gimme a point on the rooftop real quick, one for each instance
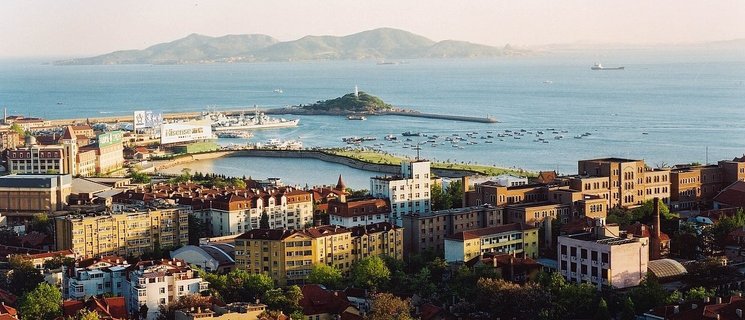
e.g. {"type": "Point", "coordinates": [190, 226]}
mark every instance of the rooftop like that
{"type": "Point", "coordinates": [478, 233]}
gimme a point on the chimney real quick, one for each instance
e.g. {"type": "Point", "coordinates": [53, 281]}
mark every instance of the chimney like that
{"type": "Point", "coordinates": [719, 300]}
{"type": "Point", "coordinates": [655, 241]}
{"type": "Point", "coordinates": [676, 309]}
{"type": "Point", "coordinates": [707, 299]}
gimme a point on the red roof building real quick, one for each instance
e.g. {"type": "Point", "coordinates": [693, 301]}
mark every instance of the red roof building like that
{"type": "Point", "coordinates": [733, 196]}
{"type": "Point", "coordinates": [107, 308]}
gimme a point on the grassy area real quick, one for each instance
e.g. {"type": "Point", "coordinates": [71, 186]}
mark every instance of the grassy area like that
{"type": "Point", "coordinates": [385, 158]}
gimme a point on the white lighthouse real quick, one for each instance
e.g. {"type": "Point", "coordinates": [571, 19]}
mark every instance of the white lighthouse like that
{"type": "Point", "coordinates": [356, 91]}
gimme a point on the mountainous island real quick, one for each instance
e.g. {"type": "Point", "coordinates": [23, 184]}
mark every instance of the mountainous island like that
{"type": "Point", "coordinates": [378, 44]}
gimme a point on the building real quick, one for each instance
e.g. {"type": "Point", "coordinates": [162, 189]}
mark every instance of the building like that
{"type": "Point", "coordinates": [427, 232]}
{"type": "Point", "coordinates": [9, 139]}
{"type": "Point", "coordinates": [95, 277]}
{"type": "Point", "coordinates": [228, 210]}
{"type": "Point", "coordinates": [711, 308]}
{"type": "Point", "coordinates": [358, 212]}
{"type": "Point", "coordinates": [321, 303]}
{"type": "Point", "coordinates": [733, 196]}
{"type": "Point", "coordinates": [38, 259]}
{"type": "Point", "coordinates": [536, 213]}
{"type": "Point", "coordinates": [603, 257]}
{"type": "Point", "coordinates": [288, 255]}
{"type": "Point", "coordinates": [8, 312]}
{"type": "Point", "coordinates": [231, 311]}
{"type": "Point", "coordinates": [34, 192]}
{"type": "Point", "coordinates": [132, 231]}
{"type": "Point", "coordinates": [408, 193]}
{"type": "Point", "coordinates": [514, 239]}
{"type": "Point", "coordinates": [39, 159]}
{"type": "Point", "coordinates": [112, 308]}
{"type": "Point", "coordinates": [109, 151]}
{"type": "Point", "coordinates": [156, 283]}
{"type": "Point", "coordinates": [627, 182]}
{"type": "Point", "coordinates": [213, 257]}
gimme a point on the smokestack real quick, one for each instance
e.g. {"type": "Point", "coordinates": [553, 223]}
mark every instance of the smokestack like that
{"type": "Point", "coordinates": [655, 247]}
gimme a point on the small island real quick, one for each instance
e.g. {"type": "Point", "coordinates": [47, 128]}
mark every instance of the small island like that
{"type": "Point", "coordinates": [359, 102]}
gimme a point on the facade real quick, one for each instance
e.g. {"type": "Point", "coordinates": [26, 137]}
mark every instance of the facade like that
{"type": "Point", "coordinates": [427, 232]}
{"type": "Point", "coordinates": [603, 257]}
{"type": "Point", "coordinates": [693, 186]}
{"type": "Point", "coordinates": [626, 180]}
{"type": "Point", "coordinates": [357, 212]}
{"type": "Point", "coordinates": [38, 159]}
{"type": "Point", "coordinates": [534, 214]}
{"type": "Point", "coordinates": [9, 139]}
{"type": "Point", "coordinates": [288, 255]}
{"type": "Point", "coordinates": [34, 193]}
{"type": "Point", "coordinates": [408, 193]}
{"type": "Point", "coordinates": [95, 277]}
{"type": "Point", "coordinates": [158, 282]}
{"type": "Point", "coordinates": [131, 231]}
{"type": "Point", "coordinates": [514, 239]}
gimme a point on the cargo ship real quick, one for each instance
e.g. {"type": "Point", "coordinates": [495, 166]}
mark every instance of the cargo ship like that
{"type": "Point", "coordinates": [599, 66]}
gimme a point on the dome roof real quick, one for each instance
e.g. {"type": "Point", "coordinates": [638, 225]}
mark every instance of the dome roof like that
{"type": "Point", "coordinates": [666, 268]}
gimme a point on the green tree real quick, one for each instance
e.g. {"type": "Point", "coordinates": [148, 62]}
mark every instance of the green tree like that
{"type": "Point", "coordinates": [628, 312]}
{"type": "Point", "coordinates": [139, 177]}
{"type": "Point", "coordinates": [455, 193]}
{"type": "Point", "coordinates": [386, 306]}
{"type": "Point", "coordinates": [59, 261]}
{"type": "Point", "coordinates": [440, 199]}
{"type": "Point", "coordinates": [184, 302]}
{"type": "Point", "coordinates": [87, 315]}
{"type": "Point", "coordinates": [648, 294]}
{"type": "Point", "coordinates": [288, 301]}
{"type": "Point", "coordinates": [698, 294]}
{"type": "Point", "coordinates": [602, 311]}
{"type": "Point", "coordinates": [264, 221]}
{"type": "Point", "coordinates": [42, 303]}
{"type": "Point", "coordinates": [41, 223]}
{"type": "Point", "coordinates": [509, 300]}
{"type": "Point", "coordinates": [23, 276]}
{"type": "Point", "coordinates": [17, 128]}
{"type": "Point", "coordinates": [241, 285]}
{"type": "Point", "coordinates": [326, 275]}
{"type": "Point", "coordinates": [197, 230]}
{"type": "Point", "coordinates": [370, 273]}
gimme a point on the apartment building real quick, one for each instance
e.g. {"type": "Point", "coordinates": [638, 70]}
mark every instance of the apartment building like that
{"type": "Point", "coordinates": [156, 283]}
{"type": "Point", "coordinates": [9, 139]}
{"type": "Point", "coordinates": [358, 212]}
{"type": "Point", "coordinates": [494, 193]}
{"type": "Point", "coordinates": [288, 255]}
{"type": "Point", "coordinates": [624, 179]}
{"type": "Point", "coordinates": [34, 193]}
{"type": "Point", "coordinates": [408, 193]}
{"type": "Point", "coordinates": [39, 159]}
{"type": "Point", "coordinates": [515, 239]}
{"type": "Point", "coordinates": [534, 214]}
{"type": "Point", "coordinates": [131, 231]}
{"type": "Point", "coordinates": [95, 277]}
{"type": "Point", "coordinates": [603, 257]}
{"type": "Point", "coordinates": [427, 232]}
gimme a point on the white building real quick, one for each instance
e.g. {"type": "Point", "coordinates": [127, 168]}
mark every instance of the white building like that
{"type": "Point", "coordinates": [158, 282]}
{"type": "Point", "coordinates": [94, 277]}
{"type": "Point", "coordinates": [603, 257]}
{"type": "Point", "coordinates": [358, 212]}
{"type": "Point", "coordinates": [211, 257]}
{"type": "Point", "coordinates": [407, 193]}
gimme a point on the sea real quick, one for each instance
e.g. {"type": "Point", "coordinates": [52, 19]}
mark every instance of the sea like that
{"type": "Point", "coordinates": [666, 107]}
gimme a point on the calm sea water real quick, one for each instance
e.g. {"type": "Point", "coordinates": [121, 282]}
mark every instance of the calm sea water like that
{"type": "Point", "coordinates": [684, 102]}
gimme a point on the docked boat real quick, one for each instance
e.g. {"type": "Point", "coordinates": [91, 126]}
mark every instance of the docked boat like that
{"type": "Point", "coordinates": [599, 66]}
{"type": "Point", "coordinates": [356, 117]}
{"type": "Point", "coordinates": [222, 122]}
{"type": "Point", "coordinates": [234, 134]}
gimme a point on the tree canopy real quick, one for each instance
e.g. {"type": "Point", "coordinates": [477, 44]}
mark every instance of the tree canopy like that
{"type": "Point", "coordinates": [42, 303]}
{"type": "Point", "coordinates": [326, 275]}
{"type": "Point", "coordinates": [370, 273]}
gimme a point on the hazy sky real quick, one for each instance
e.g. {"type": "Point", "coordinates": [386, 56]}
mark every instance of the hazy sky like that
{"type": "Point", "coordinates": [70, 27]}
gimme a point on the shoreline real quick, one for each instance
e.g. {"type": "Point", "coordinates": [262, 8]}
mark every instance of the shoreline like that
{"type": "Point", "coordinates": [326, 156]}
{"type": "Point", "coordinates": [276, 111]}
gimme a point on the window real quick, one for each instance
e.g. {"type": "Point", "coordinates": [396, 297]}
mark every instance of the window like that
{"type": "Point", "coordinates": [604, 257]}
{"type": "Point", "coordinates": [162, 290]}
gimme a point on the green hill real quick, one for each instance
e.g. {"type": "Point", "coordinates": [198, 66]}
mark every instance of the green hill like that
{"type": "Point", "coordinates": [351, 103]}
{"type": "Point", "coordinates": [377, 44]}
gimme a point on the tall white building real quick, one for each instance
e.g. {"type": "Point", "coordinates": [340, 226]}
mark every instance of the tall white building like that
{"type": "Point", "coordinates": [408, 192]}
{"type": "Point", "coordinates": [156, 283]}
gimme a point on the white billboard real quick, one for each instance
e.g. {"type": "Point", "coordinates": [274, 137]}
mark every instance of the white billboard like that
{"type": "Point", "coordinates": [185, 131]}
{"type": "Point", "coordinates": [147, 119]}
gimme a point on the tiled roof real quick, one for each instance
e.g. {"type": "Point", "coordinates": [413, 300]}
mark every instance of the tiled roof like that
{"type": "Point", "coordinates": [361, 207]}
{"type": "Point", "coordinates": [4, 309]}
{"type": "Point", "coordinates": [641, 230]}
{"type": "Point", "coordinates": [107, 308]}
{"type": "Point", "coordinates": [373, 228]}
{"type": "Point", "coordinates": [317, 300]}
{"type": "Point", "coordinates": [733, 195]}
{"type": "Point", "coordinates": [62, 253]}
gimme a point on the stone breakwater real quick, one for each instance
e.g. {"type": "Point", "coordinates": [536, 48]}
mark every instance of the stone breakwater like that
{"type": "Point", "coordinates": [388, 169]}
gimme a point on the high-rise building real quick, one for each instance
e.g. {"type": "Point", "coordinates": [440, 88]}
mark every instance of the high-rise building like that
{"type": "Point", "coordinates": [408, 192]}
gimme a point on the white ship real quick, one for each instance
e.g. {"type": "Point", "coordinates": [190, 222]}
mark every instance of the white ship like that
{"type": "Point", "coordinates": [221, 122]}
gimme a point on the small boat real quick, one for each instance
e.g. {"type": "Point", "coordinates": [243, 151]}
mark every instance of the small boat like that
{"type": "Point", "coordinates": [277, 91]}
{"type": "Point", "coordinates": [489, 141]}
{"type": "Point", "coordinates": [411, 134]}
{"type": "Point", "coordinates": [645, 132]}
{"type": "Point", "coordinates": [548, 81]}
{"type": "Point", "coordinates": [578, 137]}
{"type": "Point", "coordinates": [356, 117]}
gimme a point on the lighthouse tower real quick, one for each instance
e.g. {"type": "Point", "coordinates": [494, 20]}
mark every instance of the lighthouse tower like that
{"type": "Point", "coordinates": [356, 91]}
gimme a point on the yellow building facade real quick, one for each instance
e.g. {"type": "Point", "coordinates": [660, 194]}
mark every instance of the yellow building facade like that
{"type": "Point", "coordinates": [287, 256]}
{"type": "Point", "coordinates": [123, 233]}
{"type": "Point", "coordinates": [514, 239]}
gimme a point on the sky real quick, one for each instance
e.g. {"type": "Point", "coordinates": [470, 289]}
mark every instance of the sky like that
{"type": "Point", "coordinates": [87, 27]}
